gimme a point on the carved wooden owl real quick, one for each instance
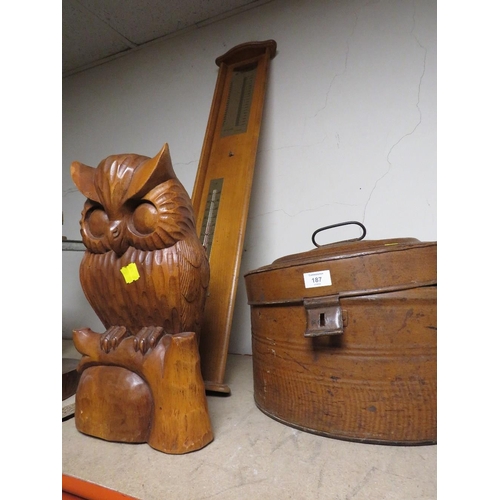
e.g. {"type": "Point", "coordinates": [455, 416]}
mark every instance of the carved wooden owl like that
{"type": "Point", "coordinates": [144, 265]}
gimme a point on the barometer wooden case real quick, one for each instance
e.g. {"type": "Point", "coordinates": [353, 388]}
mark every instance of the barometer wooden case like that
{"type": "Point", "coordinates": [221, 193]}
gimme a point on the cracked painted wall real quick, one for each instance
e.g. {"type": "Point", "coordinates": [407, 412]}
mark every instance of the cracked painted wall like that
{"type": "Point", "coordinates": [349, 128]}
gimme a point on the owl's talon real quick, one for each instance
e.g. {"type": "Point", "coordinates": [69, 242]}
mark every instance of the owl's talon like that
{"type": "Point", "coordinates": [112, 337]}
{"type": "Point", "coordinates": [104, 344]}
{"type": "Point", "coordinates": [156, 334]}
{"type": "Point", "coordinates": [148, 338]}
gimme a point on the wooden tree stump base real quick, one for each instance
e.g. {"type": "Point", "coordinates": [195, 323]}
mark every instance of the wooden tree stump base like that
{"type": "Point", "coordinates": [157, 396]}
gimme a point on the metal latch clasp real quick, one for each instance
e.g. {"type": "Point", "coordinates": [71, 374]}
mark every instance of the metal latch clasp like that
{"type": "Point", "coordinates": [324, 316]}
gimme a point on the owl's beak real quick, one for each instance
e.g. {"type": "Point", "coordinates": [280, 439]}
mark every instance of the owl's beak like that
{"type": "Point", "coordinates": [116, 238]}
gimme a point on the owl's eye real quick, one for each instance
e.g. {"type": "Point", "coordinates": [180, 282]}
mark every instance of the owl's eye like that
{"type": "Point", "coordinates": [97, 223]}
{"type": "Point", "coordinates": [145, 218]}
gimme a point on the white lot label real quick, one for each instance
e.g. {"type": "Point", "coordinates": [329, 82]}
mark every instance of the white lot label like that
{"type": "Point", "coordinates": [319, 278]}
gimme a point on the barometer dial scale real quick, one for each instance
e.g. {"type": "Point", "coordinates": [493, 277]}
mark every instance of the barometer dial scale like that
{"type": "Point", "coordinates": [221, 192]}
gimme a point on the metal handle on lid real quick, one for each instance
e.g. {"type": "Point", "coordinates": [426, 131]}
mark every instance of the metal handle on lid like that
{"type": "Point", "coordinates": [338, 225]}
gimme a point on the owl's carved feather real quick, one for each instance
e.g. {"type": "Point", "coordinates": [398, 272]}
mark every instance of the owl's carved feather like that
{"type": "Point", "coordinates": [170, 291]}
{"type": "Point", "coordinates": [151, 173]}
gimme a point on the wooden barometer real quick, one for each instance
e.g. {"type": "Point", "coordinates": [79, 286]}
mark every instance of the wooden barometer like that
{"type": "Point", "coordinates": [221, 192]}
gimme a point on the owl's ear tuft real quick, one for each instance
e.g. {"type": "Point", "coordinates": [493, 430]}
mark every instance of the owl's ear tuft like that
{"type": "Point", "coordinates": [83, 177]}
{"type": "Point", "coordinates": [151, 173]}
{"type": "Point", "coordinates": [165, 162]}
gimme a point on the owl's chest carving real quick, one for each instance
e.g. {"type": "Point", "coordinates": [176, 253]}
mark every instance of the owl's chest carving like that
{"type": "Point", "coordinates": [139, 288]}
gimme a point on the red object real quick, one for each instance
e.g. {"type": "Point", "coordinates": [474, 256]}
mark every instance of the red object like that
{"type": "Point", "coordinates": [78, 489]}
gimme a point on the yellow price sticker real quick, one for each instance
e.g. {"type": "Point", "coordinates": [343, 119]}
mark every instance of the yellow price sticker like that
{"type": "Point", "coordinates": [130, 273]}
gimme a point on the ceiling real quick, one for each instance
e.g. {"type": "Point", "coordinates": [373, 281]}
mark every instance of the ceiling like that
{"type": "Point", "coordinates": [95, 31]}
